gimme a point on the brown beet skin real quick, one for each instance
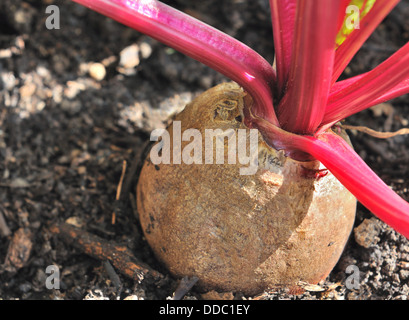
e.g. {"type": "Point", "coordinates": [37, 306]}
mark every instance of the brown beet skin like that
{"type": "Point", "coordinates": [242, 233]}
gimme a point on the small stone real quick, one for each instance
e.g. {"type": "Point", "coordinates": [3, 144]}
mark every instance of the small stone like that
{"type": "Point", "coordinates": [82, 170]}
{"type": "Point", "coordinates": [133, 297]}
{"type": "Point", "coordinates": [129, 57]}
{"type": "Point", "coordinates": [73, 88]}
{"type": "Point", "coordinates": [404, 274]}
{"type": "Point", "coordinates": [19, 183]}
{"type": "Point", "coordinates": [404, 248]}
{"type": "Point", "coordinates": [75, 221]}
{"type": "Point", "coordinates": [97, 294]}
{"type": "Point", "coordinates": [367, 233]}
{"type": "Point", "coordinates": [7, 79]}
{"type": "Point", "coordinates": [146, 50]}
{"type": "Point", "coordinates": [97, 71]}
{"type": "Point", "coordinates": [6, 53]}
{"type": "Point", "coordinates": [19, 250]}
{"type": "Point", "coordinates": [25, 287]}
{"type": "Point", "coordinates": [27, 90]}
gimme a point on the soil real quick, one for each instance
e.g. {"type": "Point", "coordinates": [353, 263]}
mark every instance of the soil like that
{"type": "Point", "coordinates": [74, 107]}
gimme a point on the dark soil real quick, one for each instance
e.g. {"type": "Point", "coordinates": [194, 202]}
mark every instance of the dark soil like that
{"type": "Point", "coordinates": [64, 136]}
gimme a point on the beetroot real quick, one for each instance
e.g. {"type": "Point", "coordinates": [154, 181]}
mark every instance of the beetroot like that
{"type": "Point", "coordinates": [236, 232]}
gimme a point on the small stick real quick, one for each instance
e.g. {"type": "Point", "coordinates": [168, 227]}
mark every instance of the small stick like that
{"type": "Point", "coordinates": [121, 180]}
{"type": "Point", "coordinates": [119, 190]}
{"type": "Point", "coordinates": [119, 256]}
{"type": "Point", "coordinates": [133, 168]}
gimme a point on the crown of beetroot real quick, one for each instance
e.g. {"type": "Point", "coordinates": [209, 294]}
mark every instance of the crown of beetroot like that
{"type": "Point", "coordinates": [313, 46]}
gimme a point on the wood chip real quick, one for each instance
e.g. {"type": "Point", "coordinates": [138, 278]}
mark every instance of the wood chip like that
{"type": "Point", "coordinates": [19, 250]}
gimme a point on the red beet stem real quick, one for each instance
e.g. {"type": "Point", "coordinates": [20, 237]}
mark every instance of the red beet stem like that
{"type": "Point", "coordinates": [283, 21]}
{"type": "Point", "coordinates": [386, 80]}
{"type": "Point", "coordinates": [302, 107]}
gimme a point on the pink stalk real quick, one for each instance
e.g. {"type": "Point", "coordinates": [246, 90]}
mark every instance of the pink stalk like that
{"type": "Point", "coordinates": [397, 91]}
{"type": "Point", "coordinates": [337, 87]}
{"type": "Point", "coordinates": [283, 21]}
{"type": "Point", "coordinates": [343, 162]}
{"type": "Point", "coordinates": [400, 89]}
{"type": "Point", "coordinates": [199, 41]}
{"type": "Point", "coordinates": [346, 165]}
{"type": "Point", "coordinates": [369, 88]}
{"type": "Point", "coordinates": [341, 16]}
{"type": "Point", "coordinates": [355, 40]}
{"type": "Point", "coordinates": [302, 107]}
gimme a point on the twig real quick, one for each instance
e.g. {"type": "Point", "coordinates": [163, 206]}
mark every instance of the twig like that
{"type": "Point", "coordinates": [134, 167]}
{"type": "Point", "coordinates": [124, 185]}
{"type": "Point", "coordinates": [120, 256]}
{"type": "Point", "coordinates": [121, 180]}
{"type": "Point", "coordinates": [119, 190]}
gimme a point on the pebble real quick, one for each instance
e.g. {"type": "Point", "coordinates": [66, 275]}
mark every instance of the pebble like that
{"type": "Point", "coordinates": [25, 287]}
{"type": "Point", "coordinates": [367, 233]}
{"type": "Point", "coordinates": [129, 57]}
{"type": "Point", "coordinates": [27, 90]}
{"type": "Point", "coordinates": [133, 297]}
{"type": "Point", "coordinates": [97, 71]}
{"type": "Point", "coordinates": [75, 221]}
{"type": "Point", "coordinates": [146, 50]}
{"type": "Point", "coordinates": [8, 80]}
{"type": "Point", "coordinates": [19, 183]}
{"type": "Point", "coordinates": [6, 53]}
{"type": "Point", "coordinates": [404, 274]}
{"type": "Point", "coordinates": [95, 295]}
